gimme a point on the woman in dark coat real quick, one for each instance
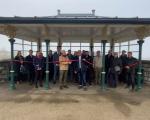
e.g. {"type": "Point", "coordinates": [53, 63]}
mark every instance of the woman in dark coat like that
{"type": "Point", "coordinates": [39, 64]}
{"type": "Point", "coordinates": [51, 65]}
{"type": "Point", "coordinates": [19, 67]}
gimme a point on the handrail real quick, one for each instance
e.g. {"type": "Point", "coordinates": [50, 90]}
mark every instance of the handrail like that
{"type": "Point", "coordinates": [145, 64]}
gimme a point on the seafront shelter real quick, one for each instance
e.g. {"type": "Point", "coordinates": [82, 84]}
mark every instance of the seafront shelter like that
{"type": "Point", "coordinates": [75, 31]}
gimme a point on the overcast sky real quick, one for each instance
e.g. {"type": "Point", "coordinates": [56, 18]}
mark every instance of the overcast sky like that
{"type": "Point", "coordinates": [111, 8]}
{"type": "Point", "coordinates": [125, 8]}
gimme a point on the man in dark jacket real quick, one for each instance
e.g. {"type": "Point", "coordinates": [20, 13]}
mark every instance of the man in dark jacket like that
{"type": "Point", "coordinates": [90, 70]}
{"type": "Point", "coordinates": [70, 67]}
{"type": "Point", "coordinates": [130, 66]}
{"type": "Point", "coordinates": [108, 60]}
{"type": "Point", "coordinates": [56, 64]}
{"type": "Point", "coordinates": [30, 67]}
{"type": "Point", "coordinates": [81, 69]}
{"type": "Point", "coordinates": [51, 65]}
{"type": "Point", "coordinates": [123, 57]}
{"type": "Point", "coordinates": [75, 64]}
{"type": "Point", "coordinates": [114, 70]}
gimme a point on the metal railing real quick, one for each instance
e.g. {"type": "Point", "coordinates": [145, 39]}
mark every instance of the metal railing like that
{"type": "Point", "coordinates": [4, 70]}
{"type": "Point", "coordinates": [146, 66]}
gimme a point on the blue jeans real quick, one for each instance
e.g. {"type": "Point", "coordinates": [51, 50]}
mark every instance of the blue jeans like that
{"type": "Point", "coordinates": [82, 77]}
{"type": "Point", "coordinates": [56, 73]}
{"type": "Point", "coordinates": [70, 73]}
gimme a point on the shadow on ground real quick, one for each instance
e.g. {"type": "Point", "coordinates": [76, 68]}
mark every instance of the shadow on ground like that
{"type": "Point", "coordinates": [121, 99]}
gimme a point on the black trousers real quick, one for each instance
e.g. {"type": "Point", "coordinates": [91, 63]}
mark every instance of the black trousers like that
{"type": "Point", "coordinates": [38, 77]}
{"type": "Point", "coordinates": [51, 72]}
{"type": "Point", "coordinates": [131, 79]}
{"type": "Point", "coordinates": [89, 76]}
{"type": "Point", "coordinates": [31, 75]}
{"type": "Point", "coordinates": [122, 76]}
{"type": "Point", "coordinates": [113, 79]}
{"type": "Point", "coordinates": [82, 77]}
{"type": "Point", "coordinates": [19, 77]}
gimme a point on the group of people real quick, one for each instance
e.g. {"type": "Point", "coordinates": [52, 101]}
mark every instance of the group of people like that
{"type": "Point", "coordinates": [80, 67]}
{"type": "Point", "coordinates": [120, 69]}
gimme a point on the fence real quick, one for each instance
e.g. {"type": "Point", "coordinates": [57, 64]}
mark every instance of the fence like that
{"type": "Point", "coordinates": [4, 70]}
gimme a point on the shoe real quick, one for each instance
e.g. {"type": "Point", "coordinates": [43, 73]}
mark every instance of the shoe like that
{"type": "Point", "coordinates": [126, 87]}
{"type": "Point", "coordinates": [131, 90]}
{"type": "Point", "coordinates": [65, 86]}
{"type": "Point", "coordinates": [18, 82]}
{"type": "Point", "coordinates": [30, 84]}
{"type": "Point", "coordinates": [61, 87]}
{"type": "Point", "coordinates": [80, 86]}
{"type": "Point", "coordinates": [36, 86]}
{"type": "Point", "coordinates": [41, 85]}
{"type": "Point", "coordinates": [54, 82]}
{"type": "Point", "coordinates": [90, 84]}
{"type": "Point", "coordinates": [85, 88]}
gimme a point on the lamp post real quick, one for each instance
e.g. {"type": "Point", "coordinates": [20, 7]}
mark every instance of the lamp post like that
{"type": "Point", "coordinates": [103, 65]}
{"type": "Point", "coordinates": [47, 65]}
{"type": "Point", "coordinates": [139, 77]}
{"type": "Point", "coordinates": [12, 83]}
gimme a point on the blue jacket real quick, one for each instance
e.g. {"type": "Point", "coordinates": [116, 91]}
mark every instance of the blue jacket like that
{"type": "Point", "coordinates": [29, 62]}
{"type": "Point", "coordinates": [55, 57]}
{"type": "Point", "coordinates": [83, 65]}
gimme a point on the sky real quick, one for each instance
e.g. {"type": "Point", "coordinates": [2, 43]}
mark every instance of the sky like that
{"type": "Point", "coordinates": [109, 8]}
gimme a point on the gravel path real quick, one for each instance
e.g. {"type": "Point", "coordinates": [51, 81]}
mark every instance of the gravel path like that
{"type": "Point", "coordinates": [28, 103]}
